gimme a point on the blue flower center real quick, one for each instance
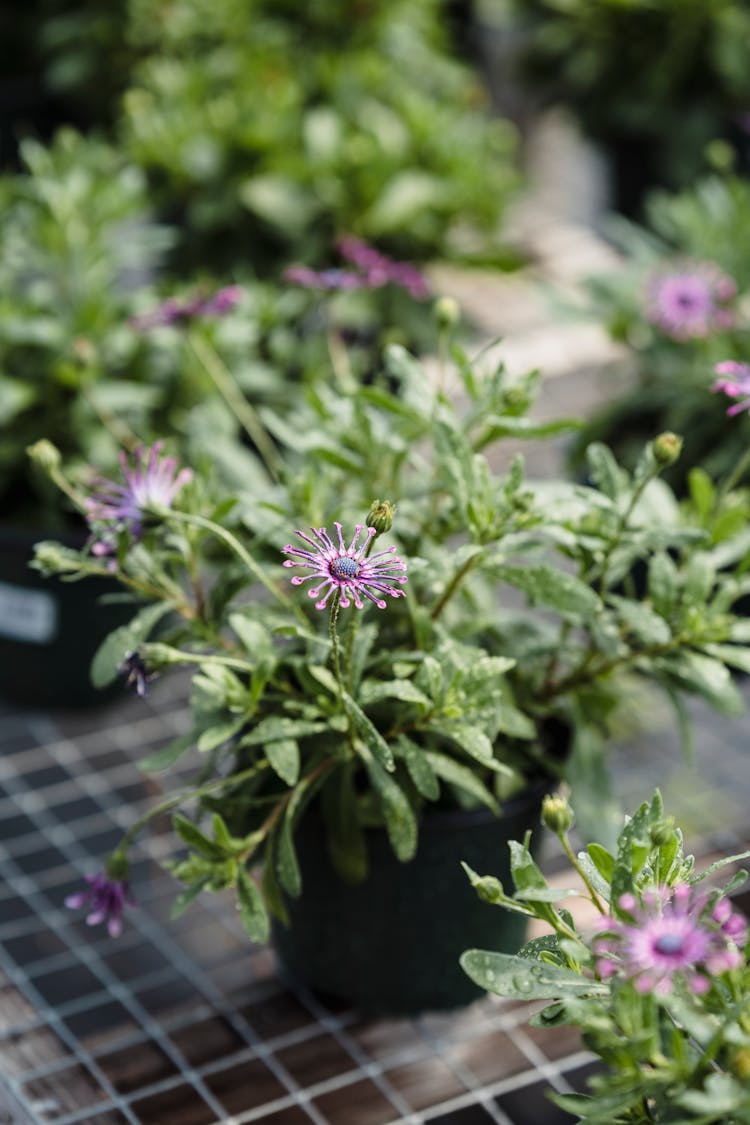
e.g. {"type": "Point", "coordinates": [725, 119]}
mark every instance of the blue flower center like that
{"type": "Point", "coordinates": [345, 567]}
{"type": "Point", "coordinates": [669, 944]}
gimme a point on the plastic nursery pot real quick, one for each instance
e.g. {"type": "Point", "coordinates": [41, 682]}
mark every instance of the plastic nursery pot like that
{"type": "Point", "coordinates": [391, 944]}
{"type": "Point", "coordinates": [50, 630]}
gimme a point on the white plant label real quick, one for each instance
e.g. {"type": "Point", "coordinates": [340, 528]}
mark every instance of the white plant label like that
{"type": "Point", "coordinates": [27, 615]}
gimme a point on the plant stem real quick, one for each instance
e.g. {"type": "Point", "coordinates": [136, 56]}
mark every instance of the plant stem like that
{"type": "Point", "coordinates": [333, 632]}
{"type": "Point", "coordinates": [729, 483]}
{"type": "Point", "coordinates": [573, 858]}
{"type": "Point", "coordinates": [243, 411]}
{"type": "Point", "coordinates": [242, 553]}
{"type": "Point", "coordinates": [452, 586]}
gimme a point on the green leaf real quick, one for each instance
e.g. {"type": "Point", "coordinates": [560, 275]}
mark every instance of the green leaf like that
{"type": "Point", "coordinates": [256, 639]}
{"type": "Point", "coordinates": [220, 732]}
{"type": "Point", "coordinates": [168, 755]}
{"type": "Point", "coordinates": [448, 769]}
{"type": "Point", "coordinates": [642, 621]}
{"type": "Point", "coordinates": [505, 974]}
{"type": "Point", "coordinates": [509, 720]}
{"type": "Point", "coordinates": [287, 866]}
{"type": "Point", "coordinates": [400, 821]}
{"type": "Point", "coordinates": [185, 898]}
{"type": "Point", "coordinates": [113, 650]}
{"type": "Point", "coordinates": [602, 860]}
{"type": "Point", "coordinates": [279, 727]}
{"type": "Point", "coordinates": [709, 677]}
{"type": "Point", "coordinates": [605, 472]}
{"type": "Point", "coordinates": [195, 839]}
{"type": "Point", "coordinates": [733, 655]}
{"type": "Point", "coordinates": [662, 583]}
{"type": "Point", "coordinates": [283, 757]}
{"type": "Point", "coordinates": [252, 908]}
{"type": "Point", "coordinates": [420, 770]}
{"type": "Point", "coordinates": [556, 589]}
{"type": "Point", "coordinates": [474, 742]}
{"type": "Point", "coordinates": [344, 834]}
{"type": "Point", "coordinates": [373, 691]}
{"type": "Point", "coordinates": [369, 734]}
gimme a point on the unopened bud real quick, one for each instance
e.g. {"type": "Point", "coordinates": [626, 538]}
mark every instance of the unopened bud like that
{"type": "Point", "coordinates": [117, 865]}
{"type": "Point", "coordinates": [447, 313]}
{"type": "Point", "coordinates": [380, 516]}
{"type": "Point", "coordinates": [739, 1063]}
{"type": "Point", "coordinates": [44, 454]}
{"type": "Point", "coordinates": [557, 815]}
{"type": "Point", "coordinates": [662, 831]}
{"type": "Point", "coordinates": [666, 448]}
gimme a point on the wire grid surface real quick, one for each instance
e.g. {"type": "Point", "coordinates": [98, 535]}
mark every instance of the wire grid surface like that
{"type": "Point", "coordinates": [182, 1021]}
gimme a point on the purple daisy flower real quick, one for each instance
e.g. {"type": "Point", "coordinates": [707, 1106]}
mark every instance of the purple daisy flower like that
{"type": "Point", "coordinates": [331, 279]}
{"type": "Point", "coordinates": [105, 898]}
{"type": "Point", "coordinates": [150, 483]}
{"type": "Point", "coordinates": [348, 571]}
{"type": "Point", "coordinates": [737, 386]}
{"type": "Point", "coordinates": [673, 931]}
{"type": "Point", "coordinates": [379, 270]}
{"type": "Point", "coordinates": [177, 310]}
{"type": "Point", "coordinates": [690, 302]}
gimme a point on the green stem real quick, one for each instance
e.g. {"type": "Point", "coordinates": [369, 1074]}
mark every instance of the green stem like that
{"type": "Point", "coordinates": [573, 858]}
{"type": "Point", "coordinates": [245, 413]}
{"type": "Point", "coordinates": [729, 483]}
{"type": "Point", "coordinates": [333, 632]}
{"type": "Point", "coordinates": [452, 586]}
{"type": "Point", "coordinates": [183, 795]}
{"type": "Point", "coordinates": [242, 553]}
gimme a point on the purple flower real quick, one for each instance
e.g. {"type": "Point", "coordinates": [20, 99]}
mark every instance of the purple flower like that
{"type": "Point", "coordinates": [323, 279]}
{"type": "Point", "coordinates": [150, 483]}
{"type": "Point", "coordinates": [672, 932]}
{"type": "Point", "coordinates": [738, 386]}
{"type": "Point", "coordinates": [374, 270]}
{"type": "Point", "coordinates": [136, 674]}
{"type": "Point", "coordinates": [105, 898]}
{"type": "Point", "coordinates": [379, 270]}
{"type": "Point", "coordinates": [176, 310]}
{"type": "Point", "coordinates": [691, 302]}
{"type": "Point", "coordinates": [347, 570]}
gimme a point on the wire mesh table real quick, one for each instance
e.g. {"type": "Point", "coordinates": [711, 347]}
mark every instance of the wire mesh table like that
{"type": "Point", "coordinates": [185, 1022]}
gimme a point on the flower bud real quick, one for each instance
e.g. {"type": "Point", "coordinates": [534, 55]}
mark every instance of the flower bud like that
{"type": "Point", "coordinates": [739, 1063]}
{"type": "Point", "coordinates": [44, 454]}
{"type": "Point", "coordinates": [380, 516]}
{"type": "Point", "coordinates": [666, 448]}
{"type": "Point", "coordinates": [557, 815]}
{"type": "Point", "coordinates": [447, 313]}
{"type": "Point", "coordinates": [662, 831]}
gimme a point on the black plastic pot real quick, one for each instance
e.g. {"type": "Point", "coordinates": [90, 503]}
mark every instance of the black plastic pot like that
{"type": "Point", "coordinates": [391, 945]}
{"type": "Point", "coordinates": [49, 629]}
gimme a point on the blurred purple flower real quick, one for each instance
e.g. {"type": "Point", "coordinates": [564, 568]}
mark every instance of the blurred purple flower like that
{"type": "Point", "coordinates": [136, 675]}
{"type": "Point", "coordinates": [347, 570]}
{"type": "Point", "coordinates": [374, 270]}
{"type": "Point", "coordinates": [737, 386]}
{"type": "Point", "coordinates": [323, 279]}
{"type": "Point", "coordinates": [672, 932]}
{"type": "Point", "coordinates": [152, 482]}
{"type": "Point", "coordinates": [105, 898]}
{"type": "Point", "coordinates": [176, 310]}
{"type": "Point", "coordinates": [692, 301]}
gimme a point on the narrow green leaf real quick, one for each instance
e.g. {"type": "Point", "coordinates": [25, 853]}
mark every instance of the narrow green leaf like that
{"type": "Point", "coordinates": [168, 755]}
{"type": "Point", "coordinates": [195, 839]}
{"type": "Point", "coordinates": [370, 735]}
{"type": "Point", "coordinates": [556, 589]}
{"type": "Point", "coordinates": [252, 908]}
{"type": "Point", "coordinates": [420, 770]}
{"type": "Point", "coordinates": [448, 769]}
{"type": "Point", "coordinates": [400, 821]}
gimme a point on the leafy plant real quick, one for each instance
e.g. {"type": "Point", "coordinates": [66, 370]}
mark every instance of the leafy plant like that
{"type": "Point", "coordinates": [270, 130]}
{"type": "Point", "coordinates": [659, 985]}
{"type": "Point", "coordinates": [500, 661]}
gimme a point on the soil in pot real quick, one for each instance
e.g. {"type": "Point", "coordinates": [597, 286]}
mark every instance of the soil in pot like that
{"type": "Point", "coordinates": [391, 944]}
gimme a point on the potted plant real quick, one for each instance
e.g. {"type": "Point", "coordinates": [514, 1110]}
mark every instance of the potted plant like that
{"type": "Point", "coordinates": [656, 978]}
{"type": "Point", "coordinates": [678, 304]}
{"type": "Point", "coordinates": [377, 714]}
